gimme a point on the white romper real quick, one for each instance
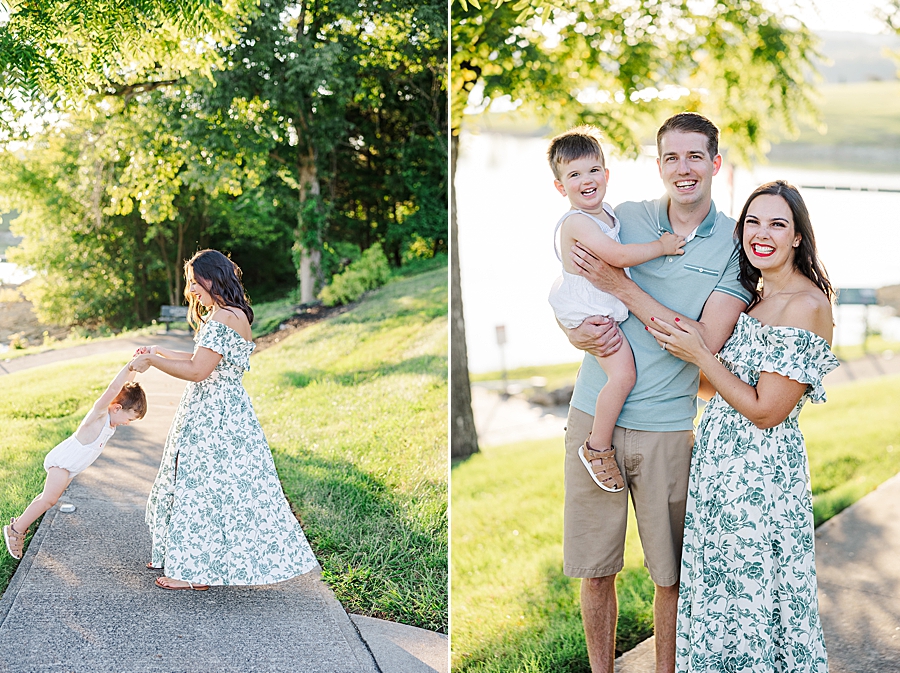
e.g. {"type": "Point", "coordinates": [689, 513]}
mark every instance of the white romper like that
{"type": "Point", "coordinates": [572, 297]}
{"type": "Point", "coordinates": [72, 455]}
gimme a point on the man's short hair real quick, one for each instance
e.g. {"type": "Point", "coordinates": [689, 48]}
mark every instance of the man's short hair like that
{"type": "Point", "coordinates": [691, 122]}
{"type": "Point", "coordinates": [132, 398]}
{"type": "Point", "coordinates": [576, 143]}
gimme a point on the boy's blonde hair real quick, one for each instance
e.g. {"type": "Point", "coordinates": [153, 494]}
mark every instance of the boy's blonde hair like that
{"type": "Point", "coordinates": [132, 398]}
{"type": "Point", "coordinates": [576, 143]}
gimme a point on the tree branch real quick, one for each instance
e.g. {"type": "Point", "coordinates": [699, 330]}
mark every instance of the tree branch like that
{"type": "Point", "coordinates": [131, 90]}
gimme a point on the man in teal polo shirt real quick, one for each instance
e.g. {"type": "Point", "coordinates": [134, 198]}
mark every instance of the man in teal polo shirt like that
{"type": "Point", "coordinates": [654, 434]}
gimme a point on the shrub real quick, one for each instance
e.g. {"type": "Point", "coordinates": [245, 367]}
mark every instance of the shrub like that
{"type": "Point", "coordinates": [367, 273]}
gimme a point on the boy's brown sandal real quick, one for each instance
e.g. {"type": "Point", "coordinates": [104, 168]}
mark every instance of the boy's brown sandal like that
{"type": "Point", "coordinates": [602, 467]}
{"type": "Point", "coordinates": [15, 541]}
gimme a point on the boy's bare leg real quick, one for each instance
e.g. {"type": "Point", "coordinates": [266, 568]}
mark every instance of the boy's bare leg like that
{"type": "Point", "coordinates": [599, 611]}
{"type": "Point", "coordinates": [619, 368]}
{"type": "Point", "coordinates": [57, 481]}
{"type": "Point", "coordinates": [665, 616]}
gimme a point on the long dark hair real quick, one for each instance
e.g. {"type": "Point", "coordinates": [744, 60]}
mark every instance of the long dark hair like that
{"type": "Point", "coordinates": [806, 257]}
{"type": "Point", "coordinates": [219, 276]}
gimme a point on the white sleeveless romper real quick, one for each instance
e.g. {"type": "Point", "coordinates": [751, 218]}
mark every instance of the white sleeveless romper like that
{"type": "Point", "coordinates": [572, 297]}
{"type": "Point", "coordinates": [72, 455]}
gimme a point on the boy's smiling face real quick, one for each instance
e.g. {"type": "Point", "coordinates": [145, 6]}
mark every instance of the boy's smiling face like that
{"type": "Point", "coordinates": [583, 181]}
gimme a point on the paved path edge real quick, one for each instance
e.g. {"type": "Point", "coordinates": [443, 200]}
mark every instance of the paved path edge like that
{"type": "Point", "coordinates": [351, 634]}
{"type": "Point", "coordinates": [18, 578]}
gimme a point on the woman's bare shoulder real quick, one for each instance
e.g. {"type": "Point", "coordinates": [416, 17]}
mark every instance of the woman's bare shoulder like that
{"type": "Point", "coordinates": [809, 310]}
{"type": "Point", "coordinates": [235, 319]}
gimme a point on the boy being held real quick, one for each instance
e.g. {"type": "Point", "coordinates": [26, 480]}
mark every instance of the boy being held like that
{"type": "Point", "coordinates": [578, 165]}
{"type": "Point", "coordinates": [122, 402]}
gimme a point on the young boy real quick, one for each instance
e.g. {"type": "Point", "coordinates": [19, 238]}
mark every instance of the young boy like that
{"type": "Point", "coordinates": [576, 158]}
{"type": "Point", "coordinates": [122, 402]}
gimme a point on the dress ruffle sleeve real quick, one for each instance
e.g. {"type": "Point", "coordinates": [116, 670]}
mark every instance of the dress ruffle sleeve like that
{"type": "Point", "coordinates": [800, 355]}
{"type": "Point", "coordinates": [212, 336]}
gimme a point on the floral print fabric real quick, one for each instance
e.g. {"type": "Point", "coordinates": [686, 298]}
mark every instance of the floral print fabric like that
{"type": "Point", "coordinates": [748, 601]}
{"type": "Point", "coordinates": [216, 512]}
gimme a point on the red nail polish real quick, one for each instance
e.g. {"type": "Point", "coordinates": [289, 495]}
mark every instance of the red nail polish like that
{"type": "Point", "coordinates": [646, 328]}
{"type": "Point", "coordinates": [652, 318]}
{"type": "Point", "coordinates": [677, 320]}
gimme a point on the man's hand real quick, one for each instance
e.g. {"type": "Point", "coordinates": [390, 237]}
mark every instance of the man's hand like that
{"type": "Point", "coordinates": [598, 335]}
{"type": "Point", "coordinates": [600, 274]}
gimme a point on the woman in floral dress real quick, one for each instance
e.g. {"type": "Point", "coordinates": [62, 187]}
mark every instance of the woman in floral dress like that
{"type": "Point", "coordinates": [748, 598]}
{"type": "Point", "coordinates": [217, 513]}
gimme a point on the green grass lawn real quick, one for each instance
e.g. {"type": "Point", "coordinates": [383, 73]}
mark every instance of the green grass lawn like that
{"type": "Point", "coordinates": [512, 608]}
{"type": "Point", "coordinates": [355, 410]}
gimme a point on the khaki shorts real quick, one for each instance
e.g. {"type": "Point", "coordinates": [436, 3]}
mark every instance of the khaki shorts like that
{"type": "Point", "coordinates": [655, 466]}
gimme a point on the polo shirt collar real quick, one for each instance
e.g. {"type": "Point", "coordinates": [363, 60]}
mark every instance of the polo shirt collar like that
{"type": "Point", "coordinates": [706, 226]}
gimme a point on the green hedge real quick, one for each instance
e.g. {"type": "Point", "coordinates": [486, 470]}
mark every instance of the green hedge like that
{"type": "Point", "coordinates": [367, 273]}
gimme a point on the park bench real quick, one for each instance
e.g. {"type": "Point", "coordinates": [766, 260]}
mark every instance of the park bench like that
{"type": "Point", "coordinates": [168, 313]}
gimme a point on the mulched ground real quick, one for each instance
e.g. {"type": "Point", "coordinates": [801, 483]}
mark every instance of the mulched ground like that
{"type": "Point", "coordinates": [18, 317]}
{"type": "Point", "coordinates": [304, 317]}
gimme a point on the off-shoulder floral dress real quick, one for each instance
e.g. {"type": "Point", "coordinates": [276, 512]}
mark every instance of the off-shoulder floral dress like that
{"type": "Point", "coordinates": [748, 600]}
{"type": "Point", "coordinates": [217, 513]}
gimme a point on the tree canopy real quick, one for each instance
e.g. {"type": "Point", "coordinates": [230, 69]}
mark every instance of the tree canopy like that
{"type": "Point", "coordinates": [624, 65]}
{"type": "Point", "coordinates": [293, 136]}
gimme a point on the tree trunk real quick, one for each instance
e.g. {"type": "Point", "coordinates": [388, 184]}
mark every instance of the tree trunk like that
{"type": "Point", "coordinates": [463, 439]}
{"type": "Point", "coordinates": [167, 263]}
{"type": "Point", "coordinates": [308, 270]}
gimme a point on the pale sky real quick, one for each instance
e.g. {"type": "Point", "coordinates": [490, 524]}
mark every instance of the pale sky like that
{"type": "Point", "coordinates": [840, 15]}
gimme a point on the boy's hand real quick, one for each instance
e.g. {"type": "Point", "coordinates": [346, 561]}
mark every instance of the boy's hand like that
{"type": "Point", "coordinates": [672, 244]}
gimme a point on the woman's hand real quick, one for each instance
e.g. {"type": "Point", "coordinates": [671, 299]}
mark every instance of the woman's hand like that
{"type": "Point", "coordinates": [681, 339]}
{"type": "Point", "coordinates": [141, 363]}
{"type": "Point", "coordinates": [144, 350]}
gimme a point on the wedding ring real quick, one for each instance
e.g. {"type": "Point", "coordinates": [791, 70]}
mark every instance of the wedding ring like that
{"type": "Point", "coordinates": [665, 347]}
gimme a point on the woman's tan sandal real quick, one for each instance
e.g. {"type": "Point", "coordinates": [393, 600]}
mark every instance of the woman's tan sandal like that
{"type": "Point", "coordinates": [602, 467]}
{"type": "Point", "coordinates": [15, 541]}
{"type": "Point", "coordinates": [162, 583]}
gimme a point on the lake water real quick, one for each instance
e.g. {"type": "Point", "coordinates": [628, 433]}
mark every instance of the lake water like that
{"type": "Point", "coordinates": [507, 209]}
{"type": "Point", "coordinates": [10, 273]}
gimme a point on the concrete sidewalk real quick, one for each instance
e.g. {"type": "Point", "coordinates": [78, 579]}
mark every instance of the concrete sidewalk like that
{"type": "Point", "coordinates": [857, 551]}
{"type": "Point", "coordinates": [174, 340]}
{"type": "Point", "coordinates": [82, 600]}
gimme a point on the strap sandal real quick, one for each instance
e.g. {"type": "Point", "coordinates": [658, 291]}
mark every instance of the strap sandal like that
{"type": "Point", "coordinates": [602, 467]}
{"type": "Point", "coordinates": [15, 541]}
{"type": "Point", "coordinates": [190, 585]}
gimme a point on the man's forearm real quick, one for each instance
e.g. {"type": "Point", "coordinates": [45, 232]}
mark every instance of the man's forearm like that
{"type": "Point", "coordinates": [715, 325]}
{"type": "Point", "coordinates": [645, 307]}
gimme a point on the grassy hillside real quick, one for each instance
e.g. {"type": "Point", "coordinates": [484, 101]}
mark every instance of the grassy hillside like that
{"type": "Point", "coordinates": [355, 409]}
{"type": "Point", "coordinates": [857, 113]}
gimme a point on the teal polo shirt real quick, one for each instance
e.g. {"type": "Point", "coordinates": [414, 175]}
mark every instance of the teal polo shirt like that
{"type": "Point", "coordinates": [664, 397]}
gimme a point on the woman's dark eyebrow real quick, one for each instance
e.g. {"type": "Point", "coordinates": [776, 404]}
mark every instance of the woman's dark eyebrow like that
{"type": "Point", "coordinates": [774, 219]}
